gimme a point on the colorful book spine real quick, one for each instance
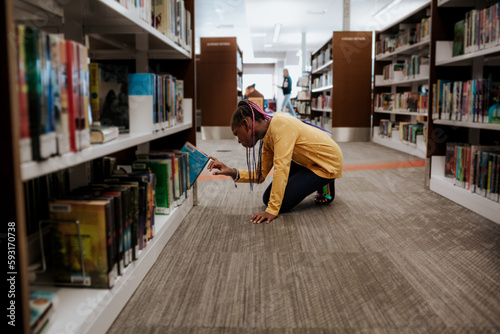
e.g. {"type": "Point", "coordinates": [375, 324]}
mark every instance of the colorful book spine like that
{"type": "Point", "coordinates": [25, 138]}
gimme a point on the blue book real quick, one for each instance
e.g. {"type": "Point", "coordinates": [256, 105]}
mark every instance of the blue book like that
{"type": "Point", "coordinates": [143, 84]}
{"type": "Point", "coordinates": [197, 161]}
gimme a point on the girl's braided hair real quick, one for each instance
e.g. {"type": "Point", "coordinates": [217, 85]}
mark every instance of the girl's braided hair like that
{"type": "Point", "coordinates": [252, 110]}
{"type": "Point", "coordinates": [247, 109]}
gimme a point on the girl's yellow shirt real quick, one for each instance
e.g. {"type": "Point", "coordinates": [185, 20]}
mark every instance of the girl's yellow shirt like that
{"type": "Point", "coordinates": [287, 138]}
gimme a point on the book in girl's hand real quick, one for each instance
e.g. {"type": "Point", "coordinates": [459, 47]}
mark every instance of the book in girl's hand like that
{"type": "Point", "coordinates": [197, 161]}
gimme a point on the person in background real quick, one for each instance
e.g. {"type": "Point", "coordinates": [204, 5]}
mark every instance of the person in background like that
{"type": "Point", "coordinates": [287, 92]}
{"type": "Point", "coordinates": [252, 92]}
{"type": "Point", "coordinates": [305, 159]}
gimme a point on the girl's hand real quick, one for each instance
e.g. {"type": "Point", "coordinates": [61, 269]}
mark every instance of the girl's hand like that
{"type": "Point", "coordinates": [222, 169]}
{"type": "Point", "coordinates": [260, 217]}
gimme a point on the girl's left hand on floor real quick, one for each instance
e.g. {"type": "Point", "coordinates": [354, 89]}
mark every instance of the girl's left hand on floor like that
{"type": "Point", "coordinates": [260, 217]}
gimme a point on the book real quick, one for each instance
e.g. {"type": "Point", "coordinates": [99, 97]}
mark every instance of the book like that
{"type": "Point", "coordinates": [458, 38]}
{"type": "Point", "coordinates": [49, 139]}
{"type": "Point", "coordinates": [142, 102]}
{"type": "Point", "coordinates": [41, 309]}
{"type": "Point", "coordinates": [179, 93]}
{"type": "Point", "coordinates": [197, 161]}
{"type": "Point", "coordinates": [131, 231]}
{"type": "Point", "coordinates": [59, 92]}
{"type": "Point", "coordinates": [84, 118]}
{"type": "Point", "coordinates": [24, 121]}
{"type": "Point", "coordinates": [144, 186]}
{"type": "Point", "coordinates": [103, 134]}
{"type": "Point", "coordinates": [82, 252]}
{"type": "Point", "coordinates": [40, 127]}
{"type": "Point", "coordinates": [162, 17]}
{"type": "Point", "coordinates": [112, 93]}
{"type": "Point", "coordinates": [162, 168]}
{"type": "Point", "coordinates": [72, 73]}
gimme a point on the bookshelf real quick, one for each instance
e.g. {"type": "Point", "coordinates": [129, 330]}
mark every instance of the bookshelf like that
{"type": "Point", "coordinates": [463, 67]}
{"type": "Point", "coordinates": [340, 84]}
{"type": "Point", "coordinates": [302, 102]}
{"type": "Point", "coordinates": [401, 83]}
{"type": "Point", "coordinates": [112, 33]}
{"type": "Point", "coordinates": [221, 58]}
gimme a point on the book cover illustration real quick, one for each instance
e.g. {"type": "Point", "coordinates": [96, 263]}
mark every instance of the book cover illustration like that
{"type": "Point", "coordinates": [197, 161]}
{"type": "Point", "coordinates": [73, 250]}
{"type": "Point", "coordinates": [113, 96]}
{"type": "Point", "coordinates": [163, 187]}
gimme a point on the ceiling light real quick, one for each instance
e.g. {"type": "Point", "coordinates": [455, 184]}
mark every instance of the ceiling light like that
{"type": "Point", "coordinates": [386, 8]}
{"type": "Point", "coordinates": [258, 34]}
{"type": "Point", "coordinates": [225, 26]}
{"type": "Point", "coordinates": [268, 45]}
{"type": "Point", "coordinates": [317, 12]}
{"type": "Point", "coordinates": [276, 35]}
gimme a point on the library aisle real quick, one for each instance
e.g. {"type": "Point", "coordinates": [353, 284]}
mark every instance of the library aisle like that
{"type": "Point", "coordinates": [388, 256]}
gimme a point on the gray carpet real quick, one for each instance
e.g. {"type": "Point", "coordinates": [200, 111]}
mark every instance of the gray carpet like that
{"type": "Point", "coordinates": [388, 256]}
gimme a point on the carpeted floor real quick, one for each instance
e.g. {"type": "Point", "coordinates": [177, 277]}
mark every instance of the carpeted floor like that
{"type": "Point", "coordinates": [387, 256]}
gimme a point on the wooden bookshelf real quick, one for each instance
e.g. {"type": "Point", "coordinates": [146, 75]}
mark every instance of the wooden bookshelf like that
{"type": "Point", "coordinates": [470, 65]}
{"type": "Point", "coordinates": [341, 71]}
{"type": "Point", "coordinates": [393, 49]}
{"type": "Point", "coordinates": [220, 60]}
{"type": "Point", "coordinates": [112, 32]}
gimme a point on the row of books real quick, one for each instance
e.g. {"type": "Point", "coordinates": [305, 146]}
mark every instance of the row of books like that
{"type": "Point", "coordinates": [416, 66]}
{"type": "Point", "coordinates": [408, 34]}
{"type": "Point", "coordinates": [170, 17]}
{"type": "Point", "coordinates": [321, 102]}
{"type": "Point", "coordinates": [302, 107]}
{"type": "Point", "coordinates": [472, 101]}
{"type": "Point", "coordinates": [53, 90]}
{"type": "Point", "coordinates": [89, 235]}
{"type": "Point", "coordinates": [385, 128]}
{"type": "Point", "coordinates": [402, 102]}
{"type": "Point", "coordinates": [407, 131]}
{"type": "Point", "coordinates": [324, 122]}
{"type": "Point", "coordinates": [322, 58]}
{"type": "Point", "coordinates": [474, 168]}
{"type": "Point", "coordinates": [325, 79]}
{"type": "Point", "coordinates": [65, 104]}
{"type": "Point", "coordinates": [480, 29]}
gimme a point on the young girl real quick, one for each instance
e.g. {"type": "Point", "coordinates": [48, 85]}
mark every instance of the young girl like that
{"type": "Point", "coordinates": [305, 159]}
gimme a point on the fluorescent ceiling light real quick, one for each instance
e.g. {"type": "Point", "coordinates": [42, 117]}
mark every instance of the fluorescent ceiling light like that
{"type": "Point", "coordinates": [258, 34]}
{"type": "Point", "coordinates": [276, 35]}
{"type": "Point", "coordinates": [317, 12]}
{"type": "Point", "coordinates": [386, 8]}
{"type": "Point", "coordinates": [268, 45]}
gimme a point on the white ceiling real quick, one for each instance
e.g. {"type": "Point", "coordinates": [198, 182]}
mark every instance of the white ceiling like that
{"type": "Point", "coordinates": [253, 21]}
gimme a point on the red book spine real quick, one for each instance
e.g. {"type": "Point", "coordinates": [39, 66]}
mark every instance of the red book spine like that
{"type": "Point", "coordinates": [73, 92]}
